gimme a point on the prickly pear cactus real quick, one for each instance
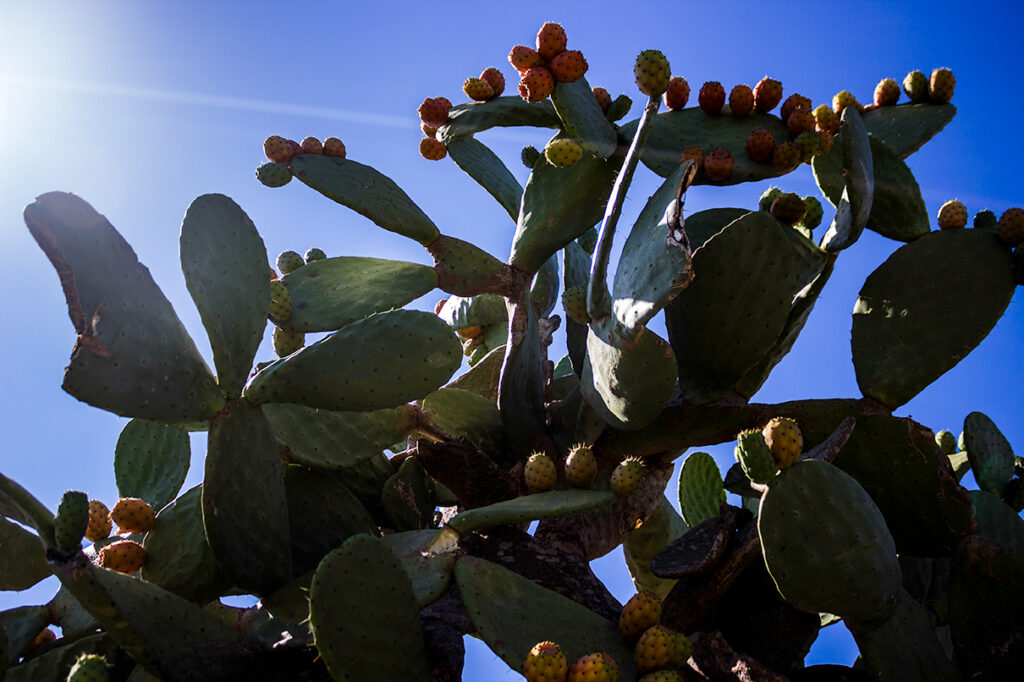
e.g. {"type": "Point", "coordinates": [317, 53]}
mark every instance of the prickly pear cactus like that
{"type": "Point", "coordinates": [372, 492]}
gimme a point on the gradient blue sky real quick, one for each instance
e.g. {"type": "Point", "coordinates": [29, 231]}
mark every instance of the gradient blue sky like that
{"type": "Point", "coordinates": [139, 107]}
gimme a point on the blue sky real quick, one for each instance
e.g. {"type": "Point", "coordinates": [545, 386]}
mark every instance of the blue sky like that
{"type": "Point", "coordinates": [141, 107]}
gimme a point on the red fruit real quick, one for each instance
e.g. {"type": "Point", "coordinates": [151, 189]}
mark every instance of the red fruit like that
{"type": "Point", "coordinates": [568, 66]}
{"type": "Point", "coordinates": [741, 100]}
{"type": "Point", "coordinates": [536, 84]}
{"type": "Point", "coordinates": [887, 92]}
{"type": "Point", "coordinates": [495, 79]}
{"type": "Point", "coordinates": [277, 149]}
{"type": "Point", "coordinates": [718, 164]}
{"type": "Point", "coordinates": [604, 100]}
{"type": "Point", "coordinates": [434, 111]}
{"type": "Point", "coordinates": [767, 94]}
{"type": "Point", "coordinates": [792, 103]}
{"type": "Point", "coordinates": [433, 150]}
{"type": "Point", "coordinates": [678, 93]}
{"type": "Point", "coordinates": [711, 97]}
{"type": "Point", "coordinates": [801, 120]}
{"type": "Point", "coordinates": [311, 145]}
{"type": "Point", "coordinates": [551, 40]}
{"type": "Point", "coordinates": [523, 58]}
{"type": "Point", "coordinates": [295, 147]}
{"type": "Point", "coordinates": [760, 145]}
{"type": "Point", "coordinates": [786, 156]}
{"type": "Point", "coordinates": [478, 89]}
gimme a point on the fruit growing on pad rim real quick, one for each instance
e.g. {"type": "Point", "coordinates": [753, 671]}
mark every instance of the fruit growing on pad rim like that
{"type": "Point", "coordinates": [642, 611]}
{"type": "Point", "coordinates": [652, 73]}
{"type": "Point", "coordinates": [432, 149]}
{"type": "Point", "coordinates": [495, 79]}
{"type": "Point", "coordinates": [767, 94]}
{"type": "Point", "coordinates": [626, 477]}
{"type": "Point", "coordinates": [563, 153]}
{"type": "Point", "coordinates": [539, 473]}
{"type": "Point", "coordinates": [784, 440]}
{"type": "Point", "coordinates": [133, 515]}
{"type": "Point", "coordinates": [545, 663]}
{"type": "Point", "coordinates": [741, 100]}
{"type": "Point", "coordinates": [718, 164]}
{"type": "Point", "coordinates": [952, 215]}
{"type": "Point", "coordinates": [551, 40]}
{"type": "Point", "coordinates": [536, 84]}
{"type": "Point", "coordinates": [568, 66]}
{"type": "Point", "coordinates": [711, 97]}
{"type": "Point", "coordinates": [123, 556]}
{"type": "Point", "coordinates": [941, 85]}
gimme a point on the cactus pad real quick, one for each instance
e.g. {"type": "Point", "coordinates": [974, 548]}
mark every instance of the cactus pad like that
{"type": "Point", "coordinates": [151, 461]}
{"type": "Point", "coordinates": [700, 488]}
{"type": "Point", "coordinates": [484, 166]}
{"type": "Point", "coordinates": [989, 452]}
{"type": "Point", "coordinates": [905, 128]}
{"type": "Point", "coordinates": [22, 563]}
{"type": "Point", "coordinates": [582, 117]}
{"type": "Point", "coordinates": [547, 505]}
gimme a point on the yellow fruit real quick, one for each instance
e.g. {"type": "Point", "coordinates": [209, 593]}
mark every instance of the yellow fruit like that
{"type": "Point", "coordinates": [784, 440]}
{"type": "Point", "coordinates": [133, 515]}
{"type": "Point", "coordinates": [99, 522]}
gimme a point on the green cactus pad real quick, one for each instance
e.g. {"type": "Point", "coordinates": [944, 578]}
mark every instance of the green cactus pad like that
{"type": "Point", "coordinates": [628, 383]}
{"type": "Point", "coordinates": [178, 557]}
{"type": "Point", "coordinates": [544, 289]}
{"type": "Point", "coordinates": [907, 475]}
{"type": "Point", "coordinates": [407, 498]}
{"type": "Point", "coordinates": [474, 311]}
{"type": "Point", "coordinates": [366, 481]}
{"type": "Point", "coordinates": [330, 293]}
{"type": "Point", "coordinates": [366, 191]}
{"type": "Point", "coordinates": [901, 339]}
{"type": "Point", "coordinates": [997, 521]}
{"type": "Point", "coordinates": [854, 207]}
{"type": "Point", "coordinates": [362, 605]}
{"type": "Point", "coordinates": [547, 505]}
{"type": "Point", "coordinates": [828, 172]}
{"type": "Point", "coordinates": [151, 461]}
{"type": "Point", "coordinates": [172, 637]}
{"type": "Point", "coordinates": [905, 128]}
{"type": "Point", "coordinates": [380, 361]}
{"type": "Point", "coordinates": [482, 378]}
{"type": "Point", "coordinates": [71, 616]}
{"type": "Point", "coordinates": [322, 514]}
{"type": "Point", "coordinates": [558, 206]}
{"type": "Point", "coordinates": [700, 488]}
{"type": "Point", "coordinates": [245, 511]}
{"type": "Point", "coordinates": [659, 529]}
{"type": "Point", "coordinates": [989, 452]}
{"type": "Point", "coordinates": [22, 563]}
{"type": "Point", "coordinates": [745, 279]}
{"type": "Point", "coordinates": [475, 117]}
{"type": "Point", "coordinates": [323, 439]}
{"type": "Point", "coordinates": [21, 625]}
{"type": "Point", "coordinates": [703, 225]}
{"type": "Point", "coordinates": [225, 266]}
{"type": "Point", "coordinates": [654, 266]}
{"type": "Point", "coordinates": [575, 273]}
{"type": "Point", "coordinates": [905, 647]}
{"type": "Point", "coordinates": [674, 131]}
{"type": "Point", "coordinates": [484, 166]}
{"type": "Point", "coordinates": [582, 117]}
{"type": "Point", "coordinates": [521, 385]}
{"type": "Point", "coordinates": [428, 565]}
{"type": "Point", "coordinates": [53, 666]}
{"type": "Point", "coordinates": [133, 356]}
{"type": "Point", "coordinates": [69, 524]}
{"type": "Point", "coordinates": [453, 412]}
{"type": "Point", "coordinates": [512, 614]}
{"type": "Point", "coordinates": [826, 544]}
{"type": "Point", "coordinates": [897, 210]}
{"type": "Point", "coordinates": [19, 504]}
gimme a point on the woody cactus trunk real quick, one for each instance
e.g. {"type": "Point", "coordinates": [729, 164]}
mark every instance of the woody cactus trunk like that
{"type": "Point", "coordinates": [374, 566]}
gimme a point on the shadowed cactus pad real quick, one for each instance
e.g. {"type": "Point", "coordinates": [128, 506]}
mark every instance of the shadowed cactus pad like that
{"type": "Point", "coordinates": [754, 456]}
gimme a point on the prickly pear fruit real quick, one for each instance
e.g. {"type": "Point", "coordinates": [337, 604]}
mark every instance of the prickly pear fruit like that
{"type": "Point", "coordinates": [551, 40]}
{"type": "Point", "coordinates": [123, 556]}
{"type": "Point", "coordinates": [662, 676]}
{"type": "Point", "coordinates": [814, 213]}
{"type": "Point", "coordinates": [313, 254]}
{"type": "Point", "coordinates": [604, 100]}
{"type": "Point", "coordinates": [89, 668]}
{"type": "Point", "coordinates": [432, 149]}
{"type": "Point", "coordinates": [769, 195]}
{"type": "Point", "coordinates": [478, 89]}
{"type": "Point", "coordinates": [529, 155]}
{"type": "Point", "coordinates": [335, 147]}
{"type": "Point", "coordinates": [574, 300]}
{"type": "Point", "coordinates": [311, 145]}
{"type": "Point", "coordinates": [784, 440]}
{"type": "Point", "coordinates": [786, 156]}
{"type": "Point", "coordinates": [133, 515]}
{"type": "Point", "coordinates": [718, 164]}
{"type": "Point", "coordinates": [626, 477]}
{"type": "Point", "coordinates": [915, 84]}
{"type": "Point", "coordinates": [287, 261]}
{"type": "Point", "coordinates": [563, 153]}
{"type": "Point", "coordinates": [825, 141]}
{"type": "Point", "coordinates": [655, 650]}
{"type": "Point", "coordinates": [536, 84]}
{"type": "Point", "coordinates": [539, 473]}
{"type": "Point", "coordinates": [808, 142]}
{"type": "Point", "coordinates": [843, 99]}
{"type": "Point", "coordinates": [741, 100]}
{"type": "Point", "coordinates": [71, 521]}
{"type": "Point", "coordinates": [887, 92]}
{"type": "Point", "coordinates": [568, 66]}
{"type": "Point", "coordinates": [599, 667]}
{"type": "Point", "coordinates": [684, 649]}
{"type": "Point", "coordinates": [767, 94]}
{"type": "Point", "coordinates": [1010, 228]}
{"type": "Point", "coordinates": [952, 215]}
{"type": "Point", "coordinates": [792, 103]}
{"type": "Point", "coordinates": [711, 97]}
{"type": "Point", "coordinates": [100, 525]}
{"type": "Point", "coordinates": [788, 208]}
{"type": "Point", "coordinates": [693, 154]}
{"type": "Point", "coordinates": [941, 85]}
{"type": "Point", "coordinates": [760, 145]}
{"type": "Point", "coordinates": [274, 174]}
{"type": "Point", "coordinates": [985, 220]}
{"type": "Point", "coordinates": [277, 149]}
{"type": "Point", "coordinates": [947, 441]}
{"type": "Point", "coordinates": [286, 342]}
{"type": "Point", "coordinates": [545, 663]}
{"type": "Point", "coordinates": [433, 111]}
{"type": "Point", "coordinates": [754, 456]}
{"type": "Point", "coordinates": [652, 72]}
{"type": "Point", "coordinates": [825, 119]}
{"type": "Point", "coordinates": [581, 466]}
{"type": "Point", "coordinates": [642, 611]}
{"type": "Point", "coordinates": [44, 637]}
{"type": "Point", "coordinates": [524, 58]}
{"type": "Point", "coordinates": [799, 121]}
{"type": "Point", "coordinates": [678, 93]}
{"type": "Point", "coordinates": [280, 301]}
{"type": "Point", "coordinates": [495, 79]}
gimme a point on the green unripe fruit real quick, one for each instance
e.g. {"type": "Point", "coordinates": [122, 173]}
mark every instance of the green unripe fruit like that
{"type": "Point", "coordinates": [581, 466]}
{"type": "Point", "coordinates": [789, 208]}
{"type": "Point", "coordinates": [288, 261]}
{"type": "Point", "coordinates": [529, 156]}
{"type": "Point", "coordinates": [662, 676]}
{"type": "Point", "coordinates": [280, 301]}
{"type": "Point", "coordinates": [808, 143]}
{"type": "Point", "coordinates": [814, 213]}
{"type": "Point", "coordinates": [626, 477]}
{"type": "Point", "coordinates": [915, 84]}
{"type": "Point", "coordinates": [71, 521]}
{"type": "Point", "coordinates": [574, 300]}
{"type": "Point", "coordinates": [314, 254]}
{"type": "Point", "coordinates": [274, 174]}
{"type": "Point", "coordinates": [754, 456]}
{"type": "Point", "coordinates": [769, 196]}
{"type": "Point", "coordinates": [539, 473]}
{"type": "Point", "coordinates": [652, 73]}
{"type": "Point", "coordinates": [642, 611]}
{"type": "Point", "coordinates": [684, 649]}
{"type": "Point", "coordinates": [947, 441]}
{"type": "Point", "coordinates": [985, 220]}
{"type": "Point", "coordinates": [286, 342]}
{"type": "Point", "coordinates": [563, 153]}
{"type": "Point", "coordinates": [545, 663]}
{"type": "Point", "coordinates": [656, 649]}
{"type": "Point", "coordinates": [89, 668]}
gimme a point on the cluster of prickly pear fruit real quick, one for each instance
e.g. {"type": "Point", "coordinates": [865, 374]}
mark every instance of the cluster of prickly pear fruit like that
{"type": "Point", "coordinates": [547, 663]}
{"type": "Point", "coordinates": [539, 69]}
{"type": "Point", "coordinates": [280, 151]}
